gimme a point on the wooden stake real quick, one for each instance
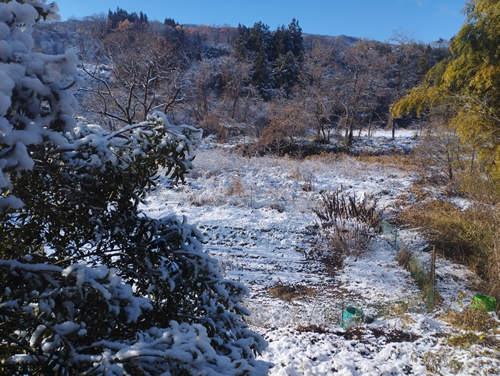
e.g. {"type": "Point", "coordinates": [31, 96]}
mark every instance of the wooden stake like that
{"type": "Point", "coordinates": [433, 266]}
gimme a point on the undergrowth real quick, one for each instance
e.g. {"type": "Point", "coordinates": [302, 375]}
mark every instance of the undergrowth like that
{"type": "Point", "coordinates": [471, 319]}
{"type": "Point", "coordinates": [470, 236]}
{"type": "Point", "coordinates": [475, 331]}
{"type": "Point", "coordinates": [450, 170]}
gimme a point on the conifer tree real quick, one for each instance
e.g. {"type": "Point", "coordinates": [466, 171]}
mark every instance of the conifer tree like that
{"type": "Point", "coordinates": [297, 41]}
{"type": "Point", "coordinates": [285, 73]}
{"type": "Point", "coordinates": [261, 74]}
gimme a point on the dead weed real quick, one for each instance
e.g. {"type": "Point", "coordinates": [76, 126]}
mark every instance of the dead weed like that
{"type": "Point", "coordinates": [289, 293]}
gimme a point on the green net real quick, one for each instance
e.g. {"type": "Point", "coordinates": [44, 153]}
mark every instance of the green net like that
{"type": "Point", "coordinates": [421, 271]}
{"type": "Point", "coordinates": [390, 235]}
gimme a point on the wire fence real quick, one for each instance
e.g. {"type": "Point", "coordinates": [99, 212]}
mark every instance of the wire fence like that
{"type": "Point", "coordinates": [423, 272]}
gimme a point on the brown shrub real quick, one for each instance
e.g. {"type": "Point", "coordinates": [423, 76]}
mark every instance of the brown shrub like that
{"type": "Point", "coordinates": [347, 226]}
{"type": "Point", "coordinates": [235, 188]}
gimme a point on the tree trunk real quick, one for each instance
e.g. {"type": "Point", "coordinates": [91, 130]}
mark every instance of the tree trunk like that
{"type": "Point", "coordinates": [392, 125]}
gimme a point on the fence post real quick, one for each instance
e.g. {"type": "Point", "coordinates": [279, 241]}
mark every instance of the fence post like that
{"type": "Point", "coordinates": [432, 287]}
{"type": "Point", "coordinates": [433, 265]}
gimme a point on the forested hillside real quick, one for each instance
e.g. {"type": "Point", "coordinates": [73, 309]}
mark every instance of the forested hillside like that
{"type": "Point", "coordinates": [275, 85]}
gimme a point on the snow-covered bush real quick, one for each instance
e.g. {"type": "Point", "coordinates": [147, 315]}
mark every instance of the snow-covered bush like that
{"type": "Point", "coordinates": [88, 283]}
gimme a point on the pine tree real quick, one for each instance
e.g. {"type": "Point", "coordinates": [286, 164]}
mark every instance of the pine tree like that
{"type": "Point", "coordinates": [285, 73]}
{"type": "Point", "coordinates": [261, 73]}
{"type": "Point", "coordinates": [170, 22]}
{"type": "Point", "coordinates": [297, 40]}
{"type": "Point", "coordinates": [280, 43]}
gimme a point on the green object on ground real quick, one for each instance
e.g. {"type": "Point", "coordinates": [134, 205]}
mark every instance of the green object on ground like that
{"type": "Point", "coordinates": [486, 302]}
{"type": "Point", "coordinates": [351, 315]}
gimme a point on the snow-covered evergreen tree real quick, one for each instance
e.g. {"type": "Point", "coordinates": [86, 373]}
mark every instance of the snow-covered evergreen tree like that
{"type": "Point", "coordinates": [89, 284]}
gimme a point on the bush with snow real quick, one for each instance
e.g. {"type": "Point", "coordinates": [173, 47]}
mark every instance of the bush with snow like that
{"type": "Point", "coordinates": [88, 283]}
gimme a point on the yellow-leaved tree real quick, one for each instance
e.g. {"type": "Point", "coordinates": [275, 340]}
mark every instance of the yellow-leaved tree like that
{"type": "Point", "coordinates": [466, 87]}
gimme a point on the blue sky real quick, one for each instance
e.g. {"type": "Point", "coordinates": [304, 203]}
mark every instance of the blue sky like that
{"type": "Point", "coordinates": [422, 20]}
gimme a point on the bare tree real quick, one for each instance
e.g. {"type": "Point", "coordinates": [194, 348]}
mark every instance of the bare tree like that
{"type": "Point", "coordinates": [288, 121]}
{"type": "Point", "coordinates": [94, 25]}
{"type": "Point", "coordinates": [404, 58]}
{"type": "Point", "coordinates": [235, 80]}
{"type": "Point", "coordinates": [201, 77]}
{"type": "Point", "coordinates": [219, 95]}
{"type": "Point", "coordinates": [138, 71]}
{"type": "Point", "coordinates": [359, 83]}
{"type": "Point", "coordinates": [317, 87]}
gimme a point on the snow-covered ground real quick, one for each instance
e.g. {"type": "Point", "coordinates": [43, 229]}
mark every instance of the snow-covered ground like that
{"type": "Point", "coordinates": [255, 215]}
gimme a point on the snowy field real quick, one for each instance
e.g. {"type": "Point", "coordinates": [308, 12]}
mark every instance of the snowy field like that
{"type": "Point", "coordinates": [255, 215]}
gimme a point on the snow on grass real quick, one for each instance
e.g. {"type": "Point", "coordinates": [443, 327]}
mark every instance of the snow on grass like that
{"type": "Point", "coordinates": [255, 215]}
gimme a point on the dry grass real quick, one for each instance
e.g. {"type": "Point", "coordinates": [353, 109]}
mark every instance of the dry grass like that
{"type": "Point", "coordinates": [475, 327]}
{"type": "Point", "coordinates": [470, 236]}
{"type": "Point", "coordinates": [480, 188]}
{"type": "Point", "coordinates": [328, 158]}
{"type": "Point", "coordinates": [290, 293]}
{"type": "Point", "coordinates": [301, 173]}
{"type": "Point", "coordinates": [337, 206]}
{"type": "Point", "coordinates": [470, 318]}
{"type": "Point", "coordinates": [404, 162]}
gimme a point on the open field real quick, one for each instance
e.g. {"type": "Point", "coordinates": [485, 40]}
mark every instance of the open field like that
{"type": "Point", "coordinates": [256, 215]}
